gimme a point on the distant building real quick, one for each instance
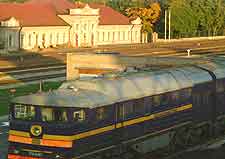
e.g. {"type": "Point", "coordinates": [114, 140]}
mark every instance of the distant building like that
{"type": "Point", "coordinates": [48, 23]}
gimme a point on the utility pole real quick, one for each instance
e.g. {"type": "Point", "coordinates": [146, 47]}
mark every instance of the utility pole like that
{"type": "Point", "coordinates": [165, 23]}
{"type": "Point", "coordinates": [169, 22]}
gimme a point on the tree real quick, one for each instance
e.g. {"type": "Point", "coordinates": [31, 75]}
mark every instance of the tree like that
{"type": "Point", "coordinates": [148, 15]}
{"type": "Point", "coordinates": [195, 18]}
{"type": "Point", "coordinates": [185, 17]}
{"type": "Point", "coordinates": [213, 15]}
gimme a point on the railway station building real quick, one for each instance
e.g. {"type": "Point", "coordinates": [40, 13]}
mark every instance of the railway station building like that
{"type": "Point", "coordinates": [52, 23]}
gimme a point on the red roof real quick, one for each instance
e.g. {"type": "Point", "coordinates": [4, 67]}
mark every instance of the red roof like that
{"type": "Point", "coordinates": [60, 6]}
{"type": "Point", "coordinates": [31, 14]}
{"type": "Point", "coordinates": [108, 16]}
{"type": "Point", "coordinates": [44, 13]}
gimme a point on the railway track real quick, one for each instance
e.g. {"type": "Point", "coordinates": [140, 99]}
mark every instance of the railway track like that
{"type": "Point", "coordinates": [51, 71]}
{"type": "Point", "coordinates": [10, 76]}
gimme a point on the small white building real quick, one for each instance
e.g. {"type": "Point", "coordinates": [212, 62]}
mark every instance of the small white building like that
{"type": "Point", "coordinates": [48, 23]}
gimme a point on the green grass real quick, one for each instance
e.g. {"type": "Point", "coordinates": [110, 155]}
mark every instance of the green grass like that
{"type": "Point", "coordinates": [6, 95]}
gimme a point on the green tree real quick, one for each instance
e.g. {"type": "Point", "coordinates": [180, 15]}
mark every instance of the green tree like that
{"type": "Point", "coordinates": [195, 18]}
{"type": "Point", "coordinates": [212, 16]}
{"type": "Point", "coordinates": [185, 18]}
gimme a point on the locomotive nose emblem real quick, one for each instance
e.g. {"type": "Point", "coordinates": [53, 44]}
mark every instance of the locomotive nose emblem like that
{"type": "Point", "coordinates": [36, 130]}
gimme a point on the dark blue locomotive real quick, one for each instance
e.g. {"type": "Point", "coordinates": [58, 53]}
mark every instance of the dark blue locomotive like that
{"type": "Point", "coordinates": [147, 110]}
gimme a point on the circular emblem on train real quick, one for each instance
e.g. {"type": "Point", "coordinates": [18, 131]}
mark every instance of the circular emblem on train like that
{"type": "Point", "coordinates": [36, 130]}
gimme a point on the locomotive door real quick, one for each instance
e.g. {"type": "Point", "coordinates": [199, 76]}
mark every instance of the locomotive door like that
{"type": "Point", "coordinates": [203, 102]}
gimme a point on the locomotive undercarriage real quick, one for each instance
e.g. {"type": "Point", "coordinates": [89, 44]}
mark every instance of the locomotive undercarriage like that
{"type": "Point", "coordinates": [181, 139]}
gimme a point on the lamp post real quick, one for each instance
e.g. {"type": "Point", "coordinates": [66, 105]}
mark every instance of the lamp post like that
{"type": "Point", "coordinates": [165, 23]}
{"type": "Point", "coordinates": [169, 22]}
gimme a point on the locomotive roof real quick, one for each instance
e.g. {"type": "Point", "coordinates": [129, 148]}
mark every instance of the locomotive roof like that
{"type": "Point", "coordinates": [217, 66]}
{"type": "Point", "coordinates": [105, 91]}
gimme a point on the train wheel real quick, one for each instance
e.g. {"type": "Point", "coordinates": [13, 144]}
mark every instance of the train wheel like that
{"type": "Point", "coordinates": [205, 132]}
{"type": "Point", "coordinates": [178, 140]}
{"type": "Point", "coordinates": [219, 127]}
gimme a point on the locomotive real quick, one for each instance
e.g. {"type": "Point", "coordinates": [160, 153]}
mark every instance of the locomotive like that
{"type": "Point", "coordinates": [146, 110]}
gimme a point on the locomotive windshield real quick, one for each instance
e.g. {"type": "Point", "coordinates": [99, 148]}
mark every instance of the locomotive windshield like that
{"type": "Point", "coordinates": [56, 114]}
{"type": "Point", "coordinates": [24, 112]}
{"type": "Point", "coordinates": [46, 114]}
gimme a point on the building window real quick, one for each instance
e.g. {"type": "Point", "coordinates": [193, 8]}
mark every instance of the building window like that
{"type": "Point", "coordinates": [131, 35]}
{"type": "Point", "coordinates": [118, 35]}
{"type": "Point", "coordinates": [92, 26]}
{"type": "Point", "coordinates": [64, 37]}
{"type": "Point", "coordinates": [124, 35]}
{"type": "Point", "coordinates": [113, 36]}
{"type": "Point", "coordinates": [98, 36]}
{"type": "Point", "coordinates": [50, 39]}
{"type": "Point", "coordinates": [36, 39]}
{"type": "Point", "coordinates": [108, 36]}
{"type": "Point", "coordinates": [43, 40]}
{"type": "Point", "coordinates": [85, 26]}
{"type": "Point", "coordinates": [103, 36]}
{"type": "Point", "coordinates": [21, 40]}
{"type": "Point", "coordinates": [10, 41]}
{"type": "Point", "coordinates": [85, 37]}
{"type": "Point", "coordinates": [29, 40]}
{"type": "Point", "coordinates": [57, 38]}
{"type": "Point", "coordinates": [77, 26]}
{"type": "Point", "coordinates": [136, 35]}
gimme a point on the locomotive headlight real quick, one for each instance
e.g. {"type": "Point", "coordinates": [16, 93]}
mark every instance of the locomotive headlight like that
{"type": "Point", "coordinates": [57, 156]}
{"type": "Point", "coordinates": [16, 151]}
{"type": "Point", "coordinates": [36, 130]}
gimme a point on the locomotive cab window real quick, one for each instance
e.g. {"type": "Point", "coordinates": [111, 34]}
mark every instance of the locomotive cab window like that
{"type": "Point", "coordinates": [79, 116]}
{"type": "Point", "coordinates": [54, 114]}
{"type": "Point", "coordinates": [24, 112]}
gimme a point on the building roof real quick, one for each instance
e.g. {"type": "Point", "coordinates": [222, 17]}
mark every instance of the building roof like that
{"type": "Point", "coordinates": [108, 16]}
{"type": "Point", "coordinates": [31, 14]}
{"type": "Point", "coordinates": [44, 13]}
{"type": "Point", "coordinates": [60, 6]}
